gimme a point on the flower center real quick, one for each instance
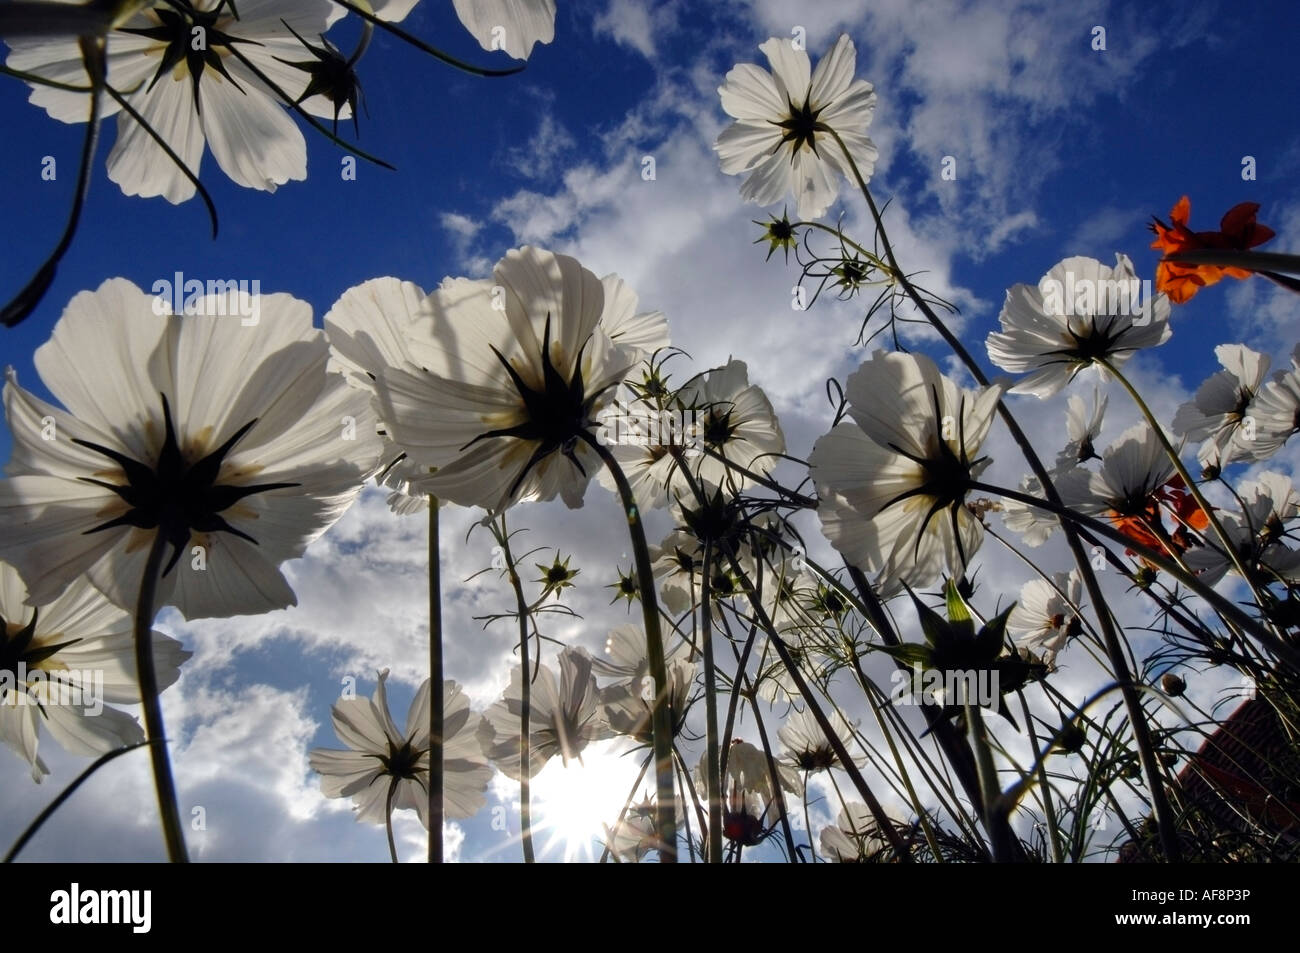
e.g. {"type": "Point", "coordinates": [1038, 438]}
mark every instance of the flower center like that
{"type": "Point", "coordinates": [16, 649]}
{"type": "Point", "coordinates": [556, 416]}
{"type": "Point", "coordinates": [192, 37]}
{"type": "Point", "coordinates": [718, 429]}
{"type": "Point", "coordinates": [173, 496]}
{"type": "Point", "coordinates": [403, 762]}
{"type": "Point", "coordinates": [801, 127]}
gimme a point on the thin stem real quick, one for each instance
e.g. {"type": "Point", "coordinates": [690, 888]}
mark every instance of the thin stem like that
{"type": "Point", "coordinates": [388, 820]}
{"type": "Point", "coordinates": [92, 51]}
{"type": "Point", "coordinates": [153, 720]}
{"type": "Point", "coordinates": [66, 793]}
{"type": "Point", "coordinates": [437, 715]}
{"type": "Point", "coordinates": [661, 720]}
{"type": "Point", "coordinates": [525, 700]}
{"type": "Point", "coordinates": [807, 819]}
{"type": "Point", "coordinates": [713, 783]}
{"type": "Point", "coordinates": [1049, 808]}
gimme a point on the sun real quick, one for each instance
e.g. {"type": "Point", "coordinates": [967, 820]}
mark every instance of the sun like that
{"type": "Point", "coordinates": [571, 805]}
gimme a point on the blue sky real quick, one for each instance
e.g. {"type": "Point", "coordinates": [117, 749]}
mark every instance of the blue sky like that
{"type": "Point", "coordinates": [1060, 150]}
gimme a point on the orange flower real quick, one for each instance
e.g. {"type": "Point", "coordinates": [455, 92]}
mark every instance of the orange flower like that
{"type": "Point", "coordinates": [1238, 231]}
{"type": "Point", "coordinates": [1141, 527]}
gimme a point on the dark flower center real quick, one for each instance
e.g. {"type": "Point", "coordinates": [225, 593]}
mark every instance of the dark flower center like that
{"type": "Point", "coordinates": [947, 474]}
{"type": "Point", "coordinates": [801, 127]}
{"type": "Point", "coordinates": [557, 415]}
{"type": "Point", "coordinates": [403, 762]}
{"type": "Point", "coordinates": [718, 429]}
{"type": "Point", "coordinates": [818, 759]}
{"type": "Point", "coordinates": [16, 649]}
{"type": "Point", "coordinates": [192, 37]}
{"type": "Point", "coordinates": [173, 496]}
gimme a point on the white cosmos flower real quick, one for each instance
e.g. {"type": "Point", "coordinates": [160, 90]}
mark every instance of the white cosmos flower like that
{"type": "Point", "coordinates": [805, 747]}
{"type": "Point", "coordinates": [629, 704]}
{"type": "Point", "coordinates": [750, 804]}
{"type": "Point", "coordinates": [854, 837]}
{"type": "Point", "coordinates": [379, 756]}
{"type": "Point", "coordinates": [1217, 412]}
{"type": "Point", "coordinates": [504, 376]}
{"type": "Point", "coordinates": [369, 328]}
{"type": "Point", "coordinates": [636, 834]}
{"type": "Point", "coordinates": [718, 411]}
{"type": "Point", "coordinates": [1044, 619]}
{"type": "Point", "coordinates": [781, 135]}
{"type": "Point", "coordinates": [892, 483]}
{"type": "Point", "coordinates": [230, 440]}
{"type": "Point", "coordinates": [679, 559]}
{"type": "Point", "coordinates": [1132, 469]}
{"type": "Point", "coordinates": [625, 653]}
{"type": "Point", "coordinates": [510, 25]}
{"type": "Point", "coordinates": [1259, 533]}
{"type": "Point", "coordinates": [1033, 525]}
{"type": "Point", "coordinates": [735, 420]}
{"type": "Point", "coordinates": [192, 97]}
{"type": "Point", "coordinates": [1082, 428]}
{"type": "Point", "coordinates": [1274, 415]}
{"type": "Point", "coordinates": [1081, 311]}
{"type": "Point", "coordinates": [565, 715]}
{"type": "Point", "coordinates": [62, 661]}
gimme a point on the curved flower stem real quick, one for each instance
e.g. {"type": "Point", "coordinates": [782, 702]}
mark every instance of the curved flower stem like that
{"type": "Point", "coordinates": [93, 53]}
{"type": "Point", "coordinates": [870, 256]}
{"type": "Point", "coordinates": [436, 699]}
{"type": "Point", "coordinates": [153, 719]}
{"type": "Point", "coordinates": [807, 820]}
{"type": "Point", "coordinates": [1049, 808]}
{"type": "Point", "coordinates": [713, 783]}
{"type": "Point", "coordinates": [525, 699]}
{"type": "Point", "coordinates": [365, 12]}
{"type": "Point", "coordinates": [1132, 703]}
{"type": "Point", "coordinates": [63, 796]}
{"type": "Point", "coordinates": [661, 719]}
{"type": "Point", "coordinates": [1192, 488]}
{"type": "Point", "coordinates": [388, 820]}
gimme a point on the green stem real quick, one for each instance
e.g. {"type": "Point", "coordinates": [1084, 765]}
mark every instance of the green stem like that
{"type": "Point", "coordinates": [388, 820]}
{"type": "Point", "coordinates": [525, 700]}
{"type": "Point", "coordinates": [665, 816]}
{"type": "Point", "coordinates": [153, 719]}
{"type": "Point", "coordinates": [807, 819]}
{"type": "Point", "coordinates": [66, 793]}
{"type": "Point", "coordinates": [713, 783]}
{"type": "Point", "coordinates": [1049, 808]}
{"type": "Point", "coordinates": [437, 700]}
